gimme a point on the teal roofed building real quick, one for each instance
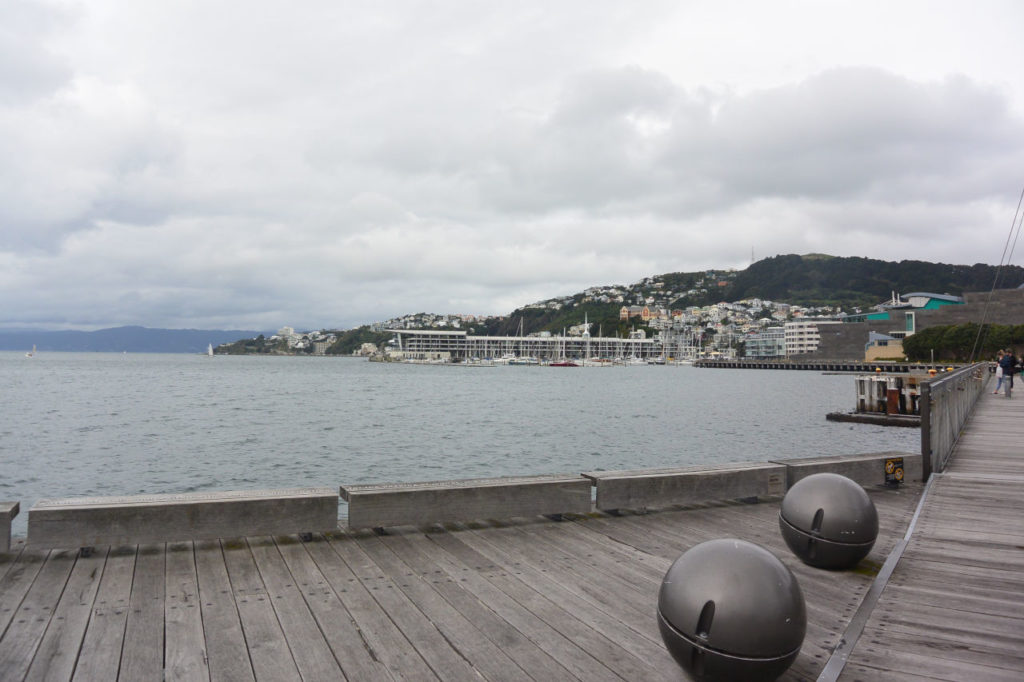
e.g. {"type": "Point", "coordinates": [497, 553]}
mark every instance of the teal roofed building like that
{"type": "Point", "coordinates": [925, 301]}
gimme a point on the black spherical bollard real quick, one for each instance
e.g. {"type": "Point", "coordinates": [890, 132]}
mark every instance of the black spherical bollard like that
{"type": "Point", "coordinates": [829, 521]}
{"type": "Point", "coordinates": [730, 610]}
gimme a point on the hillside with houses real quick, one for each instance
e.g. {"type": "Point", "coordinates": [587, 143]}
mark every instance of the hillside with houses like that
{"type": "Point", "coordinates": [694, 308]}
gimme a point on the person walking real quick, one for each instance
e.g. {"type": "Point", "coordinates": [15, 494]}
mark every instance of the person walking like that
{"type": "Point", "coordinates": [998, 371]}
{"type": "Point", "coordinates": [1009, 365]}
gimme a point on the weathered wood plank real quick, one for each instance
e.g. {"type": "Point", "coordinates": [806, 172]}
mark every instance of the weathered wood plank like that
{"type": "Point", "coordinates": [588, 575]}
{"type": "Point", "coordinates": [16, 582]}
{"type": "Point", "coordinates": [100, 655]}
{"type": "Point", "coordinates": [185, 644]}
{"type": "Point", "coordinates": [483, 654]}
{"type": "Point", "coordinates": [142, 655]}
{"type": "Point", "coordinates": [378, 630]}
{"type": "Point", "coordinates": [398, 504]}
{"type": "Point", "coordinates": [226, 651]}
{"type": "Point", "coordinates": [32, 615]}
{"type": "Point", "coordinates": [610, 654]}
{"type": "Point", "coordinates": [357, 659]}
{"type": "Point", "coordinates": [57, 653]}
{"type": "Point", "coordinates": [918, 638]}
{"type": "Point", "coordinates": [968, 627]}
{"type": "Point", "coordinates": [939, 594]}
{"type": "Point", "coordinates": [271, 657]}
{"type": "Point", "coordinates": [310, 651]}
{"type": "Point", "coordinates": [629, 629]}
{"type": "Point", "coordinates": [900, 663]}
{"type": "Point", "coordinates": [473, 578]}
{"type": "Point", "coordinates": [527, 655]}
{"type": "Point", "coordinates": [426, 637]}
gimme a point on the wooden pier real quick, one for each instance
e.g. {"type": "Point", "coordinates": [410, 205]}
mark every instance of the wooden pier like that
{"type": "Point", "coordinates": [954, 606]}
{"type": "Point", "coordinates": [531, 599]}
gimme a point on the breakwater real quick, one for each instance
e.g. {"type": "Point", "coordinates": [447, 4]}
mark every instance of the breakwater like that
{"type": "Point", "coordinates": [823, 365]}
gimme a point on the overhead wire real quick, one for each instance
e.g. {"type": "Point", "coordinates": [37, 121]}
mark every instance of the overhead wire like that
{"type": "Point", "coordinates": [1008, 249]}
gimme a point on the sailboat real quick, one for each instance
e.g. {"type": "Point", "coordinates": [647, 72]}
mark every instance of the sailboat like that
{"type": "Point", "coordinates": [31, 353]}
{"type": "Point", "coordinates": [209, 349]}
{"type": "Point", "coordinates": [563, 361]}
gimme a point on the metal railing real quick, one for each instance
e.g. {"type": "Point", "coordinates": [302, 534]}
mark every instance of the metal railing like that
{"type": "Point", "coordinates": [946, 403]}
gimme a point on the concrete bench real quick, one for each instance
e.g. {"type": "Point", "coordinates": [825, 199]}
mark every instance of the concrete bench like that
{"type": "Point", "coordinates": [131, 520]}
{"type": "Point", "coordinates": [867, 469]}
{"type": "Point", "coordinates": [8, 510]}
{"type": "Point", "coordinates": [401, 504]}
{"type": "Point", "coordinates": [644, 488]}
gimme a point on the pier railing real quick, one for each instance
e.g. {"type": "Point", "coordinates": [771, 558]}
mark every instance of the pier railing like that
{"type": "Point", "coordinates": [946, 403]}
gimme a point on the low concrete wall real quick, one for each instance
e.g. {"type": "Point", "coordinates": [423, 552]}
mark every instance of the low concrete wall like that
{"type": "Point", "coordinates": [92, 521]}
{"type": "Point", "coordinates": [640, 489]}
{"type": "Point", "coordinates": [8, 510]}
{"type": "Point", "coordinates": [399, 504]}
{"type": "Point", "coordinates": [867, 469]}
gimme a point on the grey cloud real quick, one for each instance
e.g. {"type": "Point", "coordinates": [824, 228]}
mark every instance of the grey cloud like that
{"type": "Point", "coordinates": [844, 133]}
{"type": "Point", "coordinates": [28, 70]}
{"type": "Point", "coordinates": [860, 132]}
{"type": "Point", "coordinates": [324, 167]}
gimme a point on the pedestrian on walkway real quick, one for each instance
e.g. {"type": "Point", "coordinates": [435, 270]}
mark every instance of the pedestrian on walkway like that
{"type": "Point", "coordinates": [1009, 365]}
{"type": "Point", "coordinates": [999, 370]}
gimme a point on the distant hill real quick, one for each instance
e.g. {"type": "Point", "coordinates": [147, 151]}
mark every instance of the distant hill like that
{"type": "Point", "coordinates": [118, 339]}
{"type": "Point", "coordinates": [807, 280]}
{"type": "Point", "coordinates": [817, 279]}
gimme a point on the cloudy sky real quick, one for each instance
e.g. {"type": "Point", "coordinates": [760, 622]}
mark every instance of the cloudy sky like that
{"type": "Point", "coordinates": [329, 163]}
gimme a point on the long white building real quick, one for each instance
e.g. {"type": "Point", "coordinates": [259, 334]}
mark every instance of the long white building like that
{"type": "Point", "coordinates": [458, 345]}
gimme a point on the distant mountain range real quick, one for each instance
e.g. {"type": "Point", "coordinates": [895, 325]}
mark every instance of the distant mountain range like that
{"type": "Point", "coordinates": [118, 339]}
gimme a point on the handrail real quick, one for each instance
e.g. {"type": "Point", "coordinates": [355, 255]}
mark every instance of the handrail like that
{"type": "Point", "coordinates": [946, 403]}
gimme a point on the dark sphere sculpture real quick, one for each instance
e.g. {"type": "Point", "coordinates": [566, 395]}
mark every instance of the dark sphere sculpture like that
{"type": "Point", "coordinates": [730, 610]}
{"type": "Point", "coordinates": [828, 521]}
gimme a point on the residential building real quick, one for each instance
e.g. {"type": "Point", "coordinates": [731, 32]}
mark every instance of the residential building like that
{"type": "Point", "coordinates": [769, 343]}
{"type": "Point", "coordinates": [802, 336]}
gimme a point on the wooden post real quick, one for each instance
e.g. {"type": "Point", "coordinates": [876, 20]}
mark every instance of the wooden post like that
{"type": "Point", "coordinates": [892, 401]}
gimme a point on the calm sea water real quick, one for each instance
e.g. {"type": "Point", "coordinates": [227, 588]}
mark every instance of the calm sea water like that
{"type": "Point", "coordinates": [105, 424]}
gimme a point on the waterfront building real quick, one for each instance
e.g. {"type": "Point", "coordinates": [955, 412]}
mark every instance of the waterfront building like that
{"type": "Point", "coordinates": [882, 347]}
{"type": "Point", "coordinates": [421, 344]}
{"type": "Point", "coordinates": [802, 336]}
{"type": "Point", "coordinates": [768, 343]}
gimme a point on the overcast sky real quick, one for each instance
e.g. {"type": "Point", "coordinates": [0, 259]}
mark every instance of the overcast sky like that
{"type": "Point", "coordinates": [327, 163]}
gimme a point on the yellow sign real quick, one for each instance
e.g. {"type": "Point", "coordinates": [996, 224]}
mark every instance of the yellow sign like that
{"type": "Point", "coordinates": [893, 471]}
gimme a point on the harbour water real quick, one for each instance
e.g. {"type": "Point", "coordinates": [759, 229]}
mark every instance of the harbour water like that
{"type": "Point", "coordinates": [78, 424]}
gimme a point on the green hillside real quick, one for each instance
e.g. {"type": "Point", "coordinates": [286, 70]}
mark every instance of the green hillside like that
{"type": "Point", "coordinates": [808, 280]}
{"type": "Point", "coordinates": [828, 280]}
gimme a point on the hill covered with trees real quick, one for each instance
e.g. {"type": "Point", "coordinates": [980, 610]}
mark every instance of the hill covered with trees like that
{"type": "Point", "coordinates": [812, 280]}
{"type": "Point", "coordinates": [818, 279]}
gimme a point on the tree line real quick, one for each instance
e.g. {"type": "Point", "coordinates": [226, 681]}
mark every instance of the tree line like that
{"type": "Point", "coordinates": [963, 342]}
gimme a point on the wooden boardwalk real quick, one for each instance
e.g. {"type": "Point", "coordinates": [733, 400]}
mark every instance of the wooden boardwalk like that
{"type": "Point", "coordinates": [954, 607]}
{"type": "Point", "coordinates": [525, 600]}
{"type": "Point", "coordinates": [529, 599]}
